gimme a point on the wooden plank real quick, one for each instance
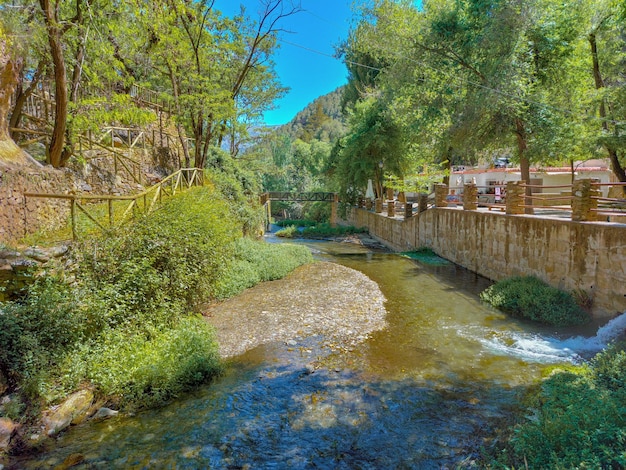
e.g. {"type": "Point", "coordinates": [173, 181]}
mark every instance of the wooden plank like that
{"type": "Point", "coordinates": [89, 215]}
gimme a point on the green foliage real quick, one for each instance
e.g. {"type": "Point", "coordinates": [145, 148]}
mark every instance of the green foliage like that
{"type": "Point", "coordinates": [290, 231]}
{"type": "Point", "coordinates": [326, 230]}
{"type": "Point", "coordinates": [147, 368]}
{"type": "Point", "coordinates": [426, 256]}
{"type": "Point", "coordinates": [531, 298]}
{"type": "Point", "coordinates": [296, 222]}
{"type": "Point", "coordinates": [239, 187]}
{"type": "Point", "coordinates": [171, 256]}
{"type": "Point", "coordinates": [128, 303]}
{"type": "Point", "coordinates": [317, 211]}
{"type": "Point", "coordinates": [256, 261]}
{"type": "Point", "coordinates": [576, 419]}
{"type": "Point", "coordinates": [119, 109]}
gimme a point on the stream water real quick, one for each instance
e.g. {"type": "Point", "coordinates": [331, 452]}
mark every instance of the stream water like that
{"type": "Point", "coordinates": [426, 392]}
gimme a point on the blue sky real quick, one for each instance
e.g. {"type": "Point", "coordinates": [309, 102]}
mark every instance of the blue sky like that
{"type": "Point", "coordinates": [302, 62]}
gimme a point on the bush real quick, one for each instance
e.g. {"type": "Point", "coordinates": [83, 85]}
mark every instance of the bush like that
{"type": "Point", "coordinates": [290, 231]}
{"type": "Point", "coordinates": [142, 370]}
{"type": "Point", "coordinates": [257, 261]}
{"type": "Point", "coordinates": [577, 420]}
{"type": "Point", "coordinates": [531, 298]}
{"type": "Point", "coordinates": [296, 223]}
{"type": "Point", "coordinates": [326, 230]}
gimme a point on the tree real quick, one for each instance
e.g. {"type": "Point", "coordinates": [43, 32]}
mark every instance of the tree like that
{"type": "Point", "coordinates": [219, 72]}
{"type": "Point", "coordinates": [10, 67]}
{"type": "Point", "coordinates": [607, 44]}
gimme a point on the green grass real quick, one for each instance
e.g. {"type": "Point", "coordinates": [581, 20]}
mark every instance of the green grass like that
{"type": "Point", "coordinates": [531, 298]}
{"type": "Point", "coordinates": [256, 261]}
{"type": "Point", "coordinates": [326, 230]}
{"type": "Point", "coordinates": [290, 231]}
{"type": "Point", "coordinates": [296, 222]}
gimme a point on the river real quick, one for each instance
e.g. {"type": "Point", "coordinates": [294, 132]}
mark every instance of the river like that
{"type": "Point", "coordinates": [425, 392]}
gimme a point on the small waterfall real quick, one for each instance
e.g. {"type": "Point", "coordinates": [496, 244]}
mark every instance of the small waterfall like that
{"type": "Point", "coordinates": [535, 347]}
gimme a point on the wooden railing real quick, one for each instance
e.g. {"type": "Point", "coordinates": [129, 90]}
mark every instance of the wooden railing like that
{"type": "Point", "coordinates": [143, 202]}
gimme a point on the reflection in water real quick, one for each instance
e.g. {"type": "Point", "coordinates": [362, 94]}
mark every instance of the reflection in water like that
{"type": "Point", "coordinates": [419, 394]}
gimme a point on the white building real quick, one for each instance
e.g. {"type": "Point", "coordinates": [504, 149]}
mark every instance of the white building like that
{"type": "Point", "coordinates": [489, 180]}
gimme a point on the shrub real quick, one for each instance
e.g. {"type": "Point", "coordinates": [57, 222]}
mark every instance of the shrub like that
{"type": "Point", "coordinates": [296, 223]}
{"type": "Point", "coordinates": [577, 420]}
{"type": "Point", "coordinates": [531, 298]}
{"type": "Point", "coordinates": [290, 231]}
{"type": "Point", "coordinates": [36, 333]}
{"type": "Point", "coordinates": [326, 230]}
{"type": "Point", "coordinates": [148, 369]}
{"type": "Point", "coordinates": [257, 261]}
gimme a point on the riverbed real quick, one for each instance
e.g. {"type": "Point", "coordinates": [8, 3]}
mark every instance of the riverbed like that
{"type": "Point", "coordinates": [365, 359]}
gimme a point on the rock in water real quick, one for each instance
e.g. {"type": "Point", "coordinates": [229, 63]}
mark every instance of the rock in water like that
{"type": "Point", "coordinates": [103, 413]}
{"type": "Point", "coordinates": [74, 407]}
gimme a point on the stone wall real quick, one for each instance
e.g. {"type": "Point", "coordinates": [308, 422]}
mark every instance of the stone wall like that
{"type": "Point", "coordinates": [569, 255]}
{"type": "Point", "coordinates": [20, 216]}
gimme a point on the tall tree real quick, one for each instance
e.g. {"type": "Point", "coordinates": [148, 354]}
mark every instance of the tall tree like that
{"type": "Point", "coordinates": [607, 47]}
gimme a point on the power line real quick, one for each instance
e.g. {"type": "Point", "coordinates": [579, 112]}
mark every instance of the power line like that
{"type": "Point", "coordinates": [325, 54]}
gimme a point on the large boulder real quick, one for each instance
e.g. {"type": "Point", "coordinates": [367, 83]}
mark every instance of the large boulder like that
{"type": "Point", "coordinates": [72, 410]}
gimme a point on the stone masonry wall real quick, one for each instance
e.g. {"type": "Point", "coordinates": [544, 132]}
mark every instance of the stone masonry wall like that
{"type": "Point", "coordinates": [19, 215]}
{"type": "Point", "coordinates": [569, 255]}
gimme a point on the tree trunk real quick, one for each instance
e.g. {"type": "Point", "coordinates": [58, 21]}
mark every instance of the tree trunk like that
{"type": "Point", "coordinates": [22, 95]}
{"type": "Point", "coordinates": [9, 73]}
{"type": "Point", "coordinates": [8, 82]}
{"type": "Point", "coordinates": [55, 150]}
{"type": "Point", "coordinates": [618, 171]}
{"type": "Point", "coordinates": [524, 163]}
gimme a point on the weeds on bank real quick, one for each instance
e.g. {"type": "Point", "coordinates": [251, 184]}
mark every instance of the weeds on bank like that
{"type": "Point", "coordinates": [121, 318]}
{"type": "Point", "coordinates": [318, 230]}
{"type": "Point", "coordinates": [574, 419]}
{"type": "Point", "coordinates": [531, 298]}
{"type": "Point", "coordinates": [255, 262]}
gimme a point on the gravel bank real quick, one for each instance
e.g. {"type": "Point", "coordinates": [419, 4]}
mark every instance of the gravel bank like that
{"type": "Point", "coordinates": [339, 304]}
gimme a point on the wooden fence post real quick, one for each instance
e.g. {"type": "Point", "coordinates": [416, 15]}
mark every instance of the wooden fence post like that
{"type": "Point", "coordinates": [73, 216]}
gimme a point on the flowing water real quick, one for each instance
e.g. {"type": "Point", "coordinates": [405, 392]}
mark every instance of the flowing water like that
{"type": "Point", "coordinates": [423, 393]}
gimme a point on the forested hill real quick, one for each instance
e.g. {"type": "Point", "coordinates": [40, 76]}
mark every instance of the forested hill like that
{"type": "Point", "coordinates": [322, 119]}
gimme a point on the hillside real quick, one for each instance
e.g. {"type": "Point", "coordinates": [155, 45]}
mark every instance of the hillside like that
{"type": "Point", "coordinates": [322, 119]}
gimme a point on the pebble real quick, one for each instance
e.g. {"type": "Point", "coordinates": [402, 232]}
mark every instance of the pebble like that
{"type": "Point", "coordinates": [340, 305]}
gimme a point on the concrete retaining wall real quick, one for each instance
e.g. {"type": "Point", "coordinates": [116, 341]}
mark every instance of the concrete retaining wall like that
{"type": "Point", "coordinates": [569, 255]}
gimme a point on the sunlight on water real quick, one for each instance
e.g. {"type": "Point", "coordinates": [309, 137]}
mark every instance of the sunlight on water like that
{"type": "Point", "coordinates": [422, 393]}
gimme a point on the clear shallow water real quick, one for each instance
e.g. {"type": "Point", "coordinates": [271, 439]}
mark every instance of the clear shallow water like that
{"type": "Point", "coordinates": [423, 393]}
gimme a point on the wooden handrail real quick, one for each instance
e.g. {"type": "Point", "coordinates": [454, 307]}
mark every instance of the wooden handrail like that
{"type": "Point", "coordinates": [174, 179]}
